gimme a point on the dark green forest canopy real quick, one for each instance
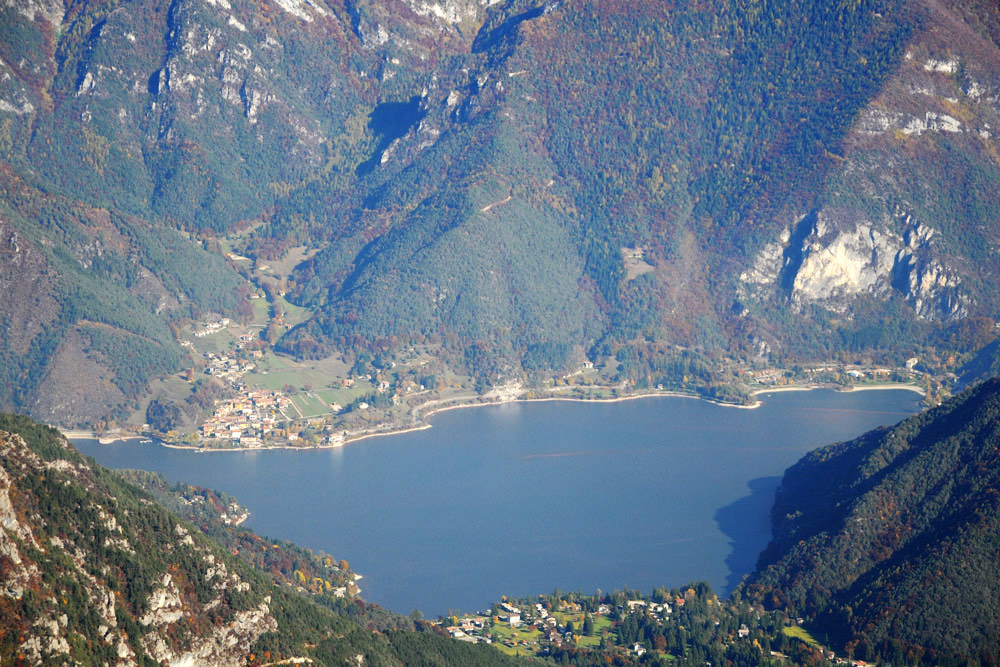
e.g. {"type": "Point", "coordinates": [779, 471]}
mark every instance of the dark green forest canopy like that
{"type": "Point", "coordinates": [888, 542]}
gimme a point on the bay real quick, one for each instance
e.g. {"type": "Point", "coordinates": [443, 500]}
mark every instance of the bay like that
{"type": "Point", "coordinates": [522, 498]}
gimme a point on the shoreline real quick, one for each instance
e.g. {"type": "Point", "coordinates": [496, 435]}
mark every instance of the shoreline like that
{"type": "Point", "coordinates": [470, 402]}
{"type": "Point", "coordinates": [798, 387]}
{"type": "Point", "coordinates": [907, 387]}
{"type": "Point", "coordinates": [618, 399]}
{"type": "Point", "coordinates": [102, 438]}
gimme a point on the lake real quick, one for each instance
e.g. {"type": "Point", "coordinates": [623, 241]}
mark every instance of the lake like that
{"type": "Point", "coordinates": [522, 498]}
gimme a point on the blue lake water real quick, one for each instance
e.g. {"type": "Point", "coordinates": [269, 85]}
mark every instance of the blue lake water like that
{"type": "Point", "coordinates": [522, 498]}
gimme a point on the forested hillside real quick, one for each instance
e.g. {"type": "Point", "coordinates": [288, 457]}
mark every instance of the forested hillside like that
{"type": "Point", "coordinates": [888, 543]}
{"type": "Point", "coordinates": [93, 571]}
{"type": "Point", "coordinates": [517, 185]}
{"type": "Point", "coordinates": [666, 131]}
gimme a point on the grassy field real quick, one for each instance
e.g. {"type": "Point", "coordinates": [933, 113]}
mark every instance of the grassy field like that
{"type": "Point", "coordinates": [310, 406]}
{"type": "Point", "coordinates": [220, 342]}
{"type": "Point", "coordinates": [261, 311]}
{"type": "Point", "coordinates": [226, 245]}
{"type": "Point", "coordinates": [342, 396]}
{"type": "Point", "coordinates": [798, 632]}
{"type": "Point", "coordinates": [503, 633]}
{"type": "Point", "coordinates": [274, 372]}
{"type": "Point", "coordinates": [293, 314]}
{"type": "Point", "coordinates": [283, 267]}
{"type": "Point", "coordinates": [563, 618]}
{"type": "Point", "coordinates": [600, 623]}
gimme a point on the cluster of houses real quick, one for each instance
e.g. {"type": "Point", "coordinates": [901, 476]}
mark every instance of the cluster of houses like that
{"type": "Point", "coordinates": [483, 627]}
{"type": "Point", "coordinates": [251, 420]}
{"type": "Point", "coordinates": [234, 515]}
{"type": "Point", "coordinates": [873, 373]}
{"type": "Point", "coordinates": [473, 629]}
{"type": "Point", "coordinates": [479, 628]}
{"type": "Point", "coordinates": [227, 368]}
{"type": "Point", "coordinates": [248, 339]}
{"type": "Point", "coordinates": [775, 377]}
{"type": "Point", "coordinates": [210, 328]}
{"type": "Point", "coordinates": [769, 377]}
{"type": "Point", "coordinates": [246, 421]}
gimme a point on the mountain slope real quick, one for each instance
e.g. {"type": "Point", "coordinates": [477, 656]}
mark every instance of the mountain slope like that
{"type": "Point", "coordinates": [92, 571]}
{"type": "Point", "coordinates": [910, 182]}
{"type": "Point", "coordinates": [518, 184]}
{"type": "Point", "coordinates": [889, 542]}
{"type": "Point", "coordinates": [622, 142]}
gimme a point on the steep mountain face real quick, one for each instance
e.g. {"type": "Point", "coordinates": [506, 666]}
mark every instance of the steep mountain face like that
{"type": "Point", "coordinates": [517, 183]}
{"type": "Point", "coordinates": [92, 571]}
{"type": "Point", "coordinates": [984, 364]}
{"type": "Point", "coordinates": [888, 542]}
{"type": "Point", "coordinates": [623, 145]}
{"type": "Point", "coordinates": [86, 576]}
{"type": "Point", "coordinates": [920, 148]}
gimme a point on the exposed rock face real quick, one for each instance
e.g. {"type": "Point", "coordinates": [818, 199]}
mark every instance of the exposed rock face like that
{"type": "Point", "coordinates": [303, 9]}
{"type": "Point", "coordinates": [767, 264]}
{"type": "Point", "coordinates": [827, 261]}
{"type": "Point", "coordinates": [52, 11]}
{"type": "Point", "coordinates": [13, 536]}
{"type": "Point", "coordinates": [451, 11]}
{"type": "Point", "coordinates": [225, 646]}
{"type": "Point", "coordinates": [378, 24]}
{"type": "Point", "coordinates": [178, 626]}
{"type": "Point", "coordinates": [843, 263]}
{"type": "Point", "coordinates": [890, 221]}
{"type": "Point", "coordinates": [935, 92]}
{"type": "Point", "coordinates": [165, 604]}
{"type": "Point", "coordinates": [877, 122]}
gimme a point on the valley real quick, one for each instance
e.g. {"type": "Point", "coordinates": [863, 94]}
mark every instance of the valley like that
{"type": "Point", "coordinates": [252, 226]}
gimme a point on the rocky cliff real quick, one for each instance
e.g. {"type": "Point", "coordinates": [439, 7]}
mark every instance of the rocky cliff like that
{"type": "Point", "coordinates": [896, 215]}
{"type": "Point", "coordinates": [73, 573]}
{"type": "Point", "coordinates": [827, 258]}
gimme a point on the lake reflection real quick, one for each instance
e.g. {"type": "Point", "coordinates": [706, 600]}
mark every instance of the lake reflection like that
{"type": "Point", "coordinates": [519, 499]}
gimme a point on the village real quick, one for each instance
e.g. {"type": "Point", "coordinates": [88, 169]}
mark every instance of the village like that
{"type": "Point", "coordinates": [630, 628]}
{"type": "Point", "coordinates": [246, 421]}
{"type": "Point", "coordinates": [538, 628]}
{"type": "Point", "coordinates": [260, 417]}
{"type": "Point", "coordinates": [254, 417]}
